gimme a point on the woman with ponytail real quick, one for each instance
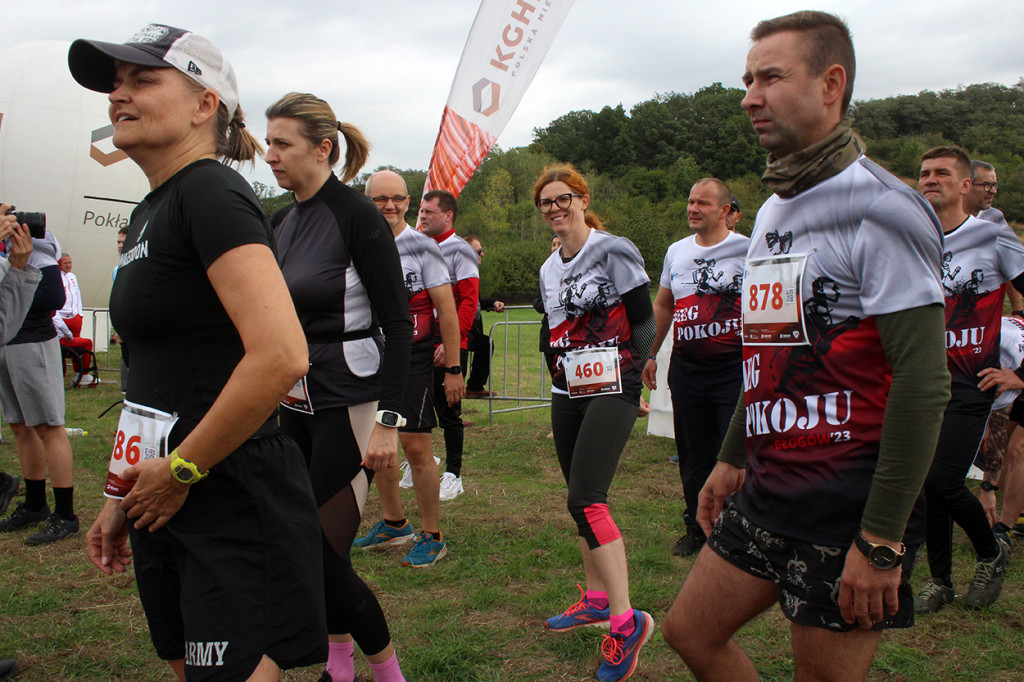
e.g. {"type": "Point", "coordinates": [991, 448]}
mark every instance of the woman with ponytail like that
{"type": "Point", "coordinates": [342, 267]}
{"type": "Point", "coordinates": [221, 516]}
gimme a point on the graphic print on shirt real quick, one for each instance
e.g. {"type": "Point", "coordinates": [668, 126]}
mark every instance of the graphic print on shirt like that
{"type": "Point", "coordinates": [583, 301]}
{"type": "Point", "coordinates": [978, 259]}
{"type": "Point", "coordinates": [814, 413]}
{"type": "Point", "coordinates": [822, 330]}
{"type": "Point", "coordinates": [783, 241]}
{"type": "Point", "coordinates": [423, 268]}
{"type": "Point", "coordinates": [705, 283]}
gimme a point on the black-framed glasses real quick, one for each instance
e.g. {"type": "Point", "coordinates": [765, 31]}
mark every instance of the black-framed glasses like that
{"type": "Point", "coordinates": [987, 186]}
{"type": "Point", "coordinates": [562, 201]}
{"type": "Point", "coordinates": [396, 199]}
{"type": "Point", "coordinates": [479, 251]}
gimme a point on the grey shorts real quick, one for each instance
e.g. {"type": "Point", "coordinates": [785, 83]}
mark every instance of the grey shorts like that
{"type": "Point", "coordinates": [32, 384]}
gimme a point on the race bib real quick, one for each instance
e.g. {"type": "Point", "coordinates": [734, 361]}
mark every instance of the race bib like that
{"type": "Point", "coordinates": [141, 434]}
{"type": "Point", "coordinates": [298, 398]}
{"type": "Point", "coordinates": [773, 311]}
{"type": "Point", "coordinates": [592, 371]}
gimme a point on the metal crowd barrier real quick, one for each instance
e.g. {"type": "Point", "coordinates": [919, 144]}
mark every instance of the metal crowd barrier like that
{"type": "Point", "coordinates": [517, 389]}
{"type": "Point", "coordinates": [96, 326]}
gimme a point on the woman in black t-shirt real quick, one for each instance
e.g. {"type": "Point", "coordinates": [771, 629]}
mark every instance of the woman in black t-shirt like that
{"type": "Point", "coordinates": [223, 528]}
{"type": "Point", "coordinates": [345, 277]}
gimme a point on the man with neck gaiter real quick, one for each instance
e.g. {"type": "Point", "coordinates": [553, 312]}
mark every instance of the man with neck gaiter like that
{"type": "Point", "coordinates": [844, 382]}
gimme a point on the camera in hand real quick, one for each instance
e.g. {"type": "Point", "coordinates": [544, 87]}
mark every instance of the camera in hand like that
{"type": "Point", "coordinates": [36, 222]}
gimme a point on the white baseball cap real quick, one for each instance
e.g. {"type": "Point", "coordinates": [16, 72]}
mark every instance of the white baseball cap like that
{"type": "Point", "coordinates": [92, 62]}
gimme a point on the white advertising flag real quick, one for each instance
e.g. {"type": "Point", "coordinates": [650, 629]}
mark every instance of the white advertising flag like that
{"type": "Point", "coordinates": [506, 45]}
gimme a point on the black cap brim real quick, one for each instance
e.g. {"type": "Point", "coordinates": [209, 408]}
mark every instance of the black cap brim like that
{"type": "Point", "coordinates": [92, 62]}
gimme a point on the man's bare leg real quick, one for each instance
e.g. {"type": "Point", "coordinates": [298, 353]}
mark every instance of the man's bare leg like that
{"type": "Point", "coordinates": [716, 599]}
{"type": "Point", "coordinates": [826, 655]}
{"type": "Point", "coordinates": [425, 478]}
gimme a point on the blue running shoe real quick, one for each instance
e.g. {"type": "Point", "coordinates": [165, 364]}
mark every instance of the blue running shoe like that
{"type": "Point", "coordinates": [580, 614]}
{"type": "Point", "coordinates": [621, 653]}
{"type": "Point", "coordinates": [382, 535]}
{"type": "Point", "coordinates": [425, 551]}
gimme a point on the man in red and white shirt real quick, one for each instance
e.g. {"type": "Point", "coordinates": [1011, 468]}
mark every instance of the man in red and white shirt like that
{"type": "Point", "coordinates": [700, 294]}
{"type": "Point", "coordinates": [438, 211]}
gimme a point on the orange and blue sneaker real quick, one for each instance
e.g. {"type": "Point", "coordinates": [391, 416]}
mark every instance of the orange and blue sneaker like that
{"type": "Point", "coordinates": [425, 551]}
{"type": "Point", "coordinates": [580, 614]}
{"type": "Point", "coordinates": [622, 653]}
{"type": "Point", "coordinates": [382, 535]}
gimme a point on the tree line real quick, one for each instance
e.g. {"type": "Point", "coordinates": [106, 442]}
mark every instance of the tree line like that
{"type": "Point", "coordinates": [642, 162]}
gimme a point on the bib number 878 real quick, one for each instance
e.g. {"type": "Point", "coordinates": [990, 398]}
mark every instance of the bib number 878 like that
{"type": "Point", "coordinates": [775, 291]}
{"type": "Point", "coordinates": [586, 370]}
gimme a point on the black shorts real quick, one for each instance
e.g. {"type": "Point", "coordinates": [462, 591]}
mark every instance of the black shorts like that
{"type": "Point", "coordinates": [806, 575]}
{"type": "Point", "coordinates": [418, 405]}
{"type": "Point", "coordinates": [237, 573]}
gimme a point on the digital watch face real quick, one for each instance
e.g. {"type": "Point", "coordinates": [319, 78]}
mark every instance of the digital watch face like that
{"type": "Point", "coordinates": [389, 419]}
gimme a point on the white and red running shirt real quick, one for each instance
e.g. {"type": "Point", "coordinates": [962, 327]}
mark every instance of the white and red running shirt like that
{"type": "Point", "coordinates": [423, 268]}
{"type": "Point", "coordinates": [1011, 355]}
{"type": "Point", "coordinates": [705, 283]}
{"type": "Point", "coordinates": [464, 270]}
{"type": "Point", "coordinates": [583, 302]}
{"type": "Point", "coordinates": [816, 396]}
{"type": "Point", "coordinates": [978, 258]}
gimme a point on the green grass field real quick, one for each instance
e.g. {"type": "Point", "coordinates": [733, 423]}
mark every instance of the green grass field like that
{"type": "Point", "coordinates": [479, 613]}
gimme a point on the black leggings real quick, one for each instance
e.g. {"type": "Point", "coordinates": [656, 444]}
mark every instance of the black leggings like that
{"type": "Point", "coordinates": [590, 434]}
{"type": "Point", "coordinates": [340, 486]}
{"type": "Point", "coordinates": [947, 499]}
{"type": "Point", "coordinates": [700, 424]}
{"type": "Point", "coordinates": [449, 418]}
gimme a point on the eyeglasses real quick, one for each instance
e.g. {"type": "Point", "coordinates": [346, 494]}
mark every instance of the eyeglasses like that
{"type": "Point", "coordinates": [562, 201]}
{"type": "Point", "coordinates": [987, 186]}
{"type": "Point", "coordinates": [396, 199]}
{"type": "Point", "coordinates": [479, 251]}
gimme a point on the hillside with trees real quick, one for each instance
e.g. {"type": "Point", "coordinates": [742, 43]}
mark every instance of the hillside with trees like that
{"type": "Point", "coordinates": [642, 162]}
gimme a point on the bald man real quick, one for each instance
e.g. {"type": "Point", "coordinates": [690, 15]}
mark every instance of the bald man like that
{"type": "Point", "coordinates": [427, 282]}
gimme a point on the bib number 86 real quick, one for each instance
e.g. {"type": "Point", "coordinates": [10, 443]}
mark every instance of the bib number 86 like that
{"type": "Point", "coordinates": [132, 453]}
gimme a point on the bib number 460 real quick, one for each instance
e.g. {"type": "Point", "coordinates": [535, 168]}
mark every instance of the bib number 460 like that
{"type": "Point", "coordinates": [586, 370]}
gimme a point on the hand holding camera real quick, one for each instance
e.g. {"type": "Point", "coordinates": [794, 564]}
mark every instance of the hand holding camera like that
{"type": "Point", "coordinates": [19, 234]}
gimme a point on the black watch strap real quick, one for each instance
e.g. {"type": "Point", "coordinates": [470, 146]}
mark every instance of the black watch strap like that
{"type": "Point", "coordinates": [454, 369]}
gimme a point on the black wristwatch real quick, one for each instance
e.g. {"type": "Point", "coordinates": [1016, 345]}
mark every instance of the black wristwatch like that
{"type": "Point", "coordinates": [454, 369]}
{"type": "Point", "coordinates": [989, 487]}
{"type": "Point", "coordinates": [882, 557]}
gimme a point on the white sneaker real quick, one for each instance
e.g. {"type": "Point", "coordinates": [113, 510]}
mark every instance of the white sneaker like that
{"type": "Point", "coordinates": [406, 481]}
{"type": "Point", "coordinates": [451, 486]}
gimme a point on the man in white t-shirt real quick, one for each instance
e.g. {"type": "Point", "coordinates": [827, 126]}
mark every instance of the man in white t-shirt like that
{"type": "Point", "coordinates": [844, 381]}
{"type": "Point", "coordinates": [699, 297]}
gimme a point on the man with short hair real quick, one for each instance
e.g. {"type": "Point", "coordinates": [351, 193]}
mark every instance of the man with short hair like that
{"type": "Point", "coordinates": [479, 344]}
{"type": "Point", "coordinates": [984, 188]}
{"type": "Point", "coordinates": [699, 297]}
{"type": "Point", "coordinates": [978, 258]}
{"type": "Point", "coordinates": [735, 213]}
{"type": "Point", "coordinates": [427, 282]}
{"type": "Point", "coordinates": [844, 381]}
{"type": "Point", "coordinates": [438, 211]}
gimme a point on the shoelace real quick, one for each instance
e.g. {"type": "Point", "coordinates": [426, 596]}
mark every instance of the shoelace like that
{"type": "Point", "coordinates": [580, 605]}
{"type": "Point", "coordinates": [930, 589]}
{"type": "Point", "coordinates": [983, 573]}
{"type": "Point", "coordinates": [611, 648]}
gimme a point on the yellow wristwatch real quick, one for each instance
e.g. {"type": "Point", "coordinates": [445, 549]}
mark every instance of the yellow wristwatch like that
{"type": "Point", "coordinates": [185, 471]}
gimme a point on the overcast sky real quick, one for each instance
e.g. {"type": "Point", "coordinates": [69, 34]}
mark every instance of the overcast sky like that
{"type": "Point", "coordinates": [387, 65]}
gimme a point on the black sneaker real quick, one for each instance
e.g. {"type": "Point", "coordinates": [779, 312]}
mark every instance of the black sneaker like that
{"type": "Point", "coordinates": [1018, 528]}
{"type": "Point", "coordinates": [689, 544]}
{"type": "Point", "coordinates": [988, 580]}
{"type": "Point", "coordinates": [326, 677]}
{"type": "Point", "coordinates": [57, 528]}
{"type": "Point", "coordinates": [933, 597]}
{"type": "Point", "coordinates": [8, 486]}
{"type": "Point", "coordinates": [23, 518]}
{"type": "Point", "coordinates": [1003, 537]}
